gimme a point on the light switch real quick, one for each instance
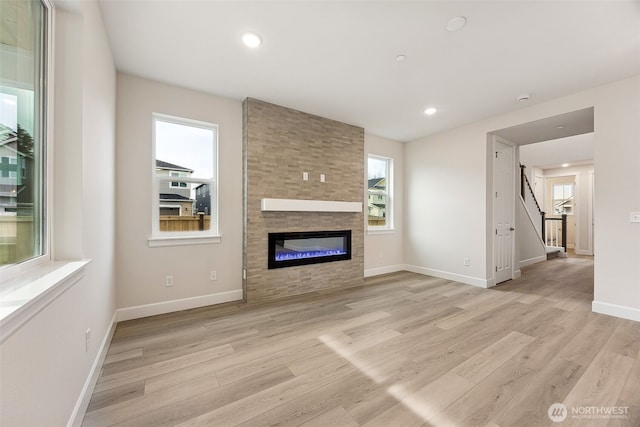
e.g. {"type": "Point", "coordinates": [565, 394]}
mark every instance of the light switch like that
{"type": "Point", "coordinates": [305, 176]}
{"type": "Point", "coordinates": [634, 217]}
{"type": "Point", "coordinates": [321, 177]}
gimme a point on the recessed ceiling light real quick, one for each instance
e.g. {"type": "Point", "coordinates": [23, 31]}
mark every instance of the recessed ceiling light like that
{"type": "Point", "coordinates": [565, 165]}
{"type": "Point", "coordinates": [456, 23]}
{"type": "Point", "coordinates": [560, 127]}
{"type": "Point", "coordinates": [430, 111]}
{"type": "Point", "coordinates": [251, 40]}
{"type": "Point", "coordinates": [400, 58]}
{"type": "Point", "coordinates": [523, 98]}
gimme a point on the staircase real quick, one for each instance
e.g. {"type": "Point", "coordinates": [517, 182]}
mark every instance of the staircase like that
{"type": "Point", "coordinates": [555, 252]}
{"type": "Point", "coordinates": [552, 230]}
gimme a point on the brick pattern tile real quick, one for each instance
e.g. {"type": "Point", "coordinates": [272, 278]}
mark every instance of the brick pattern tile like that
{"type": "Point", "coordinates": [279, 145]}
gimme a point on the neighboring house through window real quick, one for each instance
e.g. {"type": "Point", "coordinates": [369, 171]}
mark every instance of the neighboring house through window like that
{"type": "Point", "coordinates": [175, 197]}
{"type": "Point", "coordinates": [23, 112]}
{"type": "Point", "coordinates": [379, 193]}
{"type": "Point", "coordinates": [563, 199]}
{"type": "Point", "coordinates": [185, 163]}
{"type": "Point", "coordinates": [203, 198]}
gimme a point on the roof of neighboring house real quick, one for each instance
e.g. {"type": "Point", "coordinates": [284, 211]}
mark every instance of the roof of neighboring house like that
{"type": "Point", "coordinates": [7, 134]}
{"type": "Point", "coordinates": [377, 183]}
{"type": "Point", "coordinates": [166, 165]}
{"type": "Point", "coordinates": [169, 196]}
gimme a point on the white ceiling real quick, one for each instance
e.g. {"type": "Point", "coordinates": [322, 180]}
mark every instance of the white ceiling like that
{"type": "Point", "coordinates": [337, 58]}
{"type": "Point", "coordinates": [574, 150]}
{"type": "Point", "coordinates": [560, 126]}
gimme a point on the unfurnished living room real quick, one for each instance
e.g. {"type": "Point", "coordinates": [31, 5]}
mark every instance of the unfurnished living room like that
{"type": "Point", "coordinates": [319, 213]}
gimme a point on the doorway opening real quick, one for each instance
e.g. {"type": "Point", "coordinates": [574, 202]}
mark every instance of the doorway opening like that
{"type": "Point", "coordinates": [553, 183]}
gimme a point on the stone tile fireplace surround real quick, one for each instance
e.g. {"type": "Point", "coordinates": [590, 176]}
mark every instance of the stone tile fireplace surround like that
{"type": "Point", "coordinates": [279, 145]}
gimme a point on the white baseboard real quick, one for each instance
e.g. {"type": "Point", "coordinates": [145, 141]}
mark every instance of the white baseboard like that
{"type": "Point", "coordinates": [383, 270]}
{"type": "Point", "coordinates": [77, 416]}
{"type": "Point", "coordinates": [136, 312]}
{"type": "Point", "coordinates": [621, 311]}
{"type": "Point", "coordinates": [469, 280]}
{"type": "Point", "coordinates": [147, 310]}
{"type": "Point", "coordinates": [583, 252]}
{"type": "Point", "coordinates": [534, 260]}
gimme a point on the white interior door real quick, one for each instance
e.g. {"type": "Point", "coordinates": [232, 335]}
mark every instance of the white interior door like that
{"type": "Point", "coordinates": [503, 210]}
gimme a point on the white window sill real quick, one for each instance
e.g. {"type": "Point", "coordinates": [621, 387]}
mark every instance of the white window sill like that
{"type": "Point", "coordinates": [25, 296]}
{"type": "Point", "coordinates": [374, 231]}
{"type": "Point", "coordinates": [163, 241]}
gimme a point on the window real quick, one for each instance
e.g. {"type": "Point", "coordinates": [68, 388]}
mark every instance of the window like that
{"type": "Point", "coordinates": [563, 199]}
{"type": "Point", "coordinates": [23, 112]}
{"type": "Point", "coordinates": [379, 193]}
{"type": "Point", "coordinates": [184, 166]}
{"type": "Point", "coordinates": [179, 184]}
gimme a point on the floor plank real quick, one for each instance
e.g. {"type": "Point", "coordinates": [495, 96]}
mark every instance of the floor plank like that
{"type": "Point", "coordinates": [400, 349]}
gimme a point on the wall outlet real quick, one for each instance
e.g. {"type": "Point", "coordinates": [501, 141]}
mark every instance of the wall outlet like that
{"type": "Point", "coordinates": [322, 177]}
{"type": "Point", "coordinates": [87, 339]}
{"type": "Point", "coordinates": [213, 275]}
{"type": "Point", "coordinates": [467, 262]}
{"type": "Point", "coordinates": [168, 281]}
{"type": "Point", "coordinates": [634, 217]}
{"type": "Point", "coordinates": [305, 176]}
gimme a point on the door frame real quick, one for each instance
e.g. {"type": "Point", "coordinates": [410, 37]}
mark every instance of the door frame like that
{"type": "Point", "coordinates": [591, 211]}
{"type": "Point", "coordinates": [516, 174]}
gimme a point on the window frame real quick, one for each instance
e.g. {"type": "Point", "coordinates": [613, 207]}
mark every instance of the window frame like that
{"type": "Point", "coordinates": [45, 123]}
{"type": "Point", "coordinates": [388, 193]}
{"type": "Point", "coordinates": [159, 238]}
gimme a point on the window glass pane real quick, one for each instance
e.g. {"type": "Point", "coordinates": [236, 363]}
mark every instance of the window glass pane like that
{"type": "Point", "coordinates": [562, 199]}
{"type": "Point", "coordinates": [377, 168]}
{"type": "Point", "coordinates": [377, 210]}
{"type": "Point", "coordinates": [378, 192]}
{"type": "Point", "coordinates": [203, 199]}
{"type": "Point", "coordinates": [186, 152]}
{"type": "Point", "coordinates": [558, 192]}
{"type": "Point", "coordinates": [21, 130]}
{"type": "Point", "coordinates": [568, 191]}
{"type": "Point", "coordinates": [189, 147]}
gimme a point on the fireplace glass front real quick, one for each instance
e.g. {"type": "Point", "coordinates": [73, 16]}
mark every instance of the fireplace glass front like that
{"type": "Point", "coordinates": [309, 247]}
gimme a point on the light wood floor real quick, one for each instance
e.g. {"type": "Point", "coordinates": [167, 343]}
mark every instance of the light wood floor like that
{"type": "Point", "coordinates": [403, 350]}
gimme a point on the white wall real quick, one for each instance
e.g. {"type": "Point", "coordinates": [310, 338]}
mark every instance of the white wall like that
{"type": "Point", "coordinates": [383, 250]}
{"type": "Point", "coordinates": [617, 192]}
{"type": "Point", "coordinates": [44, 366]}
{"type": "Point", "coordinates": [445, 191]}
{"type": "Point", "coordinates": [448, 195]}
{"type": "Point", "coordinates": [529, 246]}
{"type": "Point", "coordinates": [141, 270]}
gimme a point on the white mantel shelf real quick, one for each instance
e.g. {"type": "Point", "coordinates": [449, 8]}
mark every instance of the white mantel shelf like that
{"type": "Point", "coordinates": [296, 205]}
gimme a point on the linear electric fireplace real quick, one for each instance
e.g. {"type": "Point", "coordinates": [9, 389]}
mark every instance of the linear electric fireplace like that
{"type": "Point", "coordinates": [310, 247]}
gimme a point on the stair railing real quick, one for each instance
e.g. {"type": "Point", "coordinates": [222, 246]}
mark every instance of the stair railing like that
{"type": "Point", "coordinates": [556, 232]}
{"type": "Point", "coordinates": [526, 191]}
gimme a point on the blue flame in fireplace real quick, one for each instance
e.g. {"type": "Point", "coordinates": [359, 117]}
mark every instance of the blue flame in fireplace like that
{"type": "Point", "coordinates": [285, 256]}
